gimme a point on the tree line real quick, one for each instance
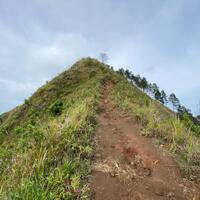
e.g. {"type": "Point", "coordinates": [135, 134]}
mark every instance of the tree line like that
{"type": "Point", "coordinates": [160, 95]}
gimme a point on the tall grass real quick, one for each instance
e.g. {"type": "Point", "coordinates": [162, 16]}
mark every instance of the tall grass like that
{"type": "Point", "coordinates": [158, 121]}
{"type": "Point", "coordinates": [48, 156]}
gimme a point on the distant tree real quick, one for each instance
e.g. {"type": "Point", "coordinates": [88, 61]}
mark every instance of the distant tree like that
{"type": "Point", "coordinates": [103, 57]}
{"type": "Point", "coordinates": [157, 95]}
{"type": "Point", "coordinates": [143, 83]}
{"type": "Point", "coordinates": [163, 99]}
{"type": "Point", "coordinates": [174, 100]}
{"type": "Point", "coordinates": [138, 80]}
{"type": "Point", "coordinates": [121, 71]}
{"type": "Point", "coordinates": [128, 74]}
{"type": "Point", "coordinates": [182, 110]}
{"type": "Point", "coordinates": [150, 90]}
{"type": "Point", "coordinates": [198, 119]}
{"type": "Point", "coordinates": [155, 90]}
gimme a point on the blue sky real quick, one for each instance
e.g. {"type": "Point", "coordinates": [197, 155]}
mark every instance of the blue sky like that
{"type": "Point", "coordinates": [159, 39]}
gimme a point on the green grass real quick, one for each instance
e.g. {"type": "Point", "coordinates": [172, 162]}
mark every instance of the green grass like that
{"type": "Point", "coordinates": [158, 121]}
{"type": "Point", "coordinates": [46, 143]}
{"type": "Point", "coordinates": [46, 146]}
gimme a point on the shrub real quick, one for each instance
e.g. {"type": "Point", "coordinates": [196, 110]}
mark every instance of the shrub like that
{"type": "Point", "coordinates": [56, 108]}
{"type": "Point", "coordinates": [27, 102]}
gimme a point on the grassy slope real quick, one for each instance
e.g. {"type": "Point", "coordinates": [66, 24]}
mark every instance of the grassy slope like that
{"type": "Point", "coordinates": [158, 121]}
{"type": "Point", "coordinates": [48, 157]}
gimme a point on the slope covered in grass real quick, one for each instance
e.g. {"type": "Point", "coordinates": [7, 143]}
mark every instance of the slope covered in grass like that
{"type": "Point", "coordinates": [45, 144]}
{"type": "Point", "coordinates": [158, 121]}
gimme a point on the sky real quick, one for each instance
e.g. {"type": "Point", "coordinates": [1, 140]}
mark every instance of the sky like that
{"type": "Point", "coordinates": [158, 39]}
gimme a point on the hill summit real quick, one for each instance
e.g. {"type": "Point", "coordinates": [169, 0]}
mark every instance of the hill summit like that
{"type": "Point", "coordinates": [47, 145]}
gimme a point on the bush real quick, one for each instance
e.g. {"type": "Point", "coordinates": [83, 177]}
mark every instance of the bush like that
{"type": "Point", "coordinates": [26, 102]}
{"type": "Point", "coordinates": [56, 108]}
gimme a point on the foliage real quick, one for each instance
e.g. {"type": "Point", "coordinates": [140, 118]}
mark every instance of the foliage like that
{"type": "Point", "coordinates": [56, 108]}
{"type": "Point", "coordinates": [174, 100]}
{"type": "Point", "coordinates": [103, 57]}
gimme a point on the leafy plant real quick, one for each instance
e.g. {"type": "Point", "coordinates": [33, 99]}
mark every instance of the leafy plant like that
{"type": "Point", "coordinates": [56, 108]}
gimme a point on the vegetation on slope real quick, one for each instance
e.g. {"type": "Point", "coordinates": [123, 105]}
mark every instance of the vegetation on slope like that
{"type": "Point", "coordinates": [158, 121]}
{"type": "Point", "coordinates": [46, 143]}
{"type": "Point", "coordinates": [45, 149]}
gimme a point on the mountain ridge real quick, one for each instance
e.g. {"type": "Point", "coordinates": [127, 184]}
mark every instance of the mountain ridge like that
{"type": "Point", "coordinates": [46, 144]}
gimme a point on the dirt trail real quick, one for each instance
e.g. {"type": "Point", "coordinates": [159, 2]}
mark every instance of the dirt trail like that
{"type": "Point", "coordinates": [128, 166]}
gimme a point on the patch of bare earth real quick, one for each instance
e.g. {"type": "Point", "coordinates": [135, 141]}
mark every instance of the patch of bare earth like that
{"type": "Point", "coordinates": [127, 166]}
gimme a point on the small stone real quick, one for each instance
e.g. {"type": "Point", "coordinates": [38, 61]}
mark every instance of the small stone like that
{"type": "Point", "coordinates": [171, 196]}
{"type": "Point", "coordinates": [159, 192]}
{"type": "Point", "coordinates": [181, 185]}
{"type": "Point", "coordinates": [146, 187]}
{"type": "Point", "coordinates": [112, 173]}
{"type": "Point", "coordinates": [98, 155]}
{"type": "Point", "coordinates": [159, 188]}
{"type": "Point", "coordinates": [147, 171]}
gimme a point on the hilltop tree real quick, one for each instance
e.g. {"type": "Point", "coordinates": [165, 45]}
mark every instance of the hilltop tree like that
{"type": "Point", "coordinates": [103, 57]}
{"type": "Point", "coordinates": [174, 100]}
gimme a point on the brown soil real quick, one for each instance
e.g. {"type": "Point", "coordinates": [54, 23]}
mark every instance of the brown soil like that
{"type": "Point", "coordinates": [128, 166]}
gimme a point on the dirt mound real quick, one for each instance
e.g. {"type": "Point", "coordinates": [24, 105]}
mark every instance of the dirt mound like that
{"type": "Point", "coordinates": [128, 165]}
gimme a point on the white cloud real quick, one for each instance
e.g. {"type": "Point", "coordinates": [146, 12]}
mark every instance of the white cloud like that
{"type": "Point", "coordinates": [158, 39]}
{"type": "Point", "coordinates": [50, 58]}
{"type": "Point", "coordinates": [15, 87]}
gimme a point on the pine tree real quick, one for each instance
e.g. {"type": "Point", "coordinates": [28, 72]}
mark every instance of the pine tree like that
{"type": "Point", "coordinates": [163, 99]}
{"type": "Point", "coordinates": [174, 100]}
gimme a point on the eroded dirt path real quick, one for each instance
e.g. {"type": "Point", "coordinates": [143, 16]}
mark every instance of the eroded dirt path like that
{"type": "Point", "coordinates": [128, 166]}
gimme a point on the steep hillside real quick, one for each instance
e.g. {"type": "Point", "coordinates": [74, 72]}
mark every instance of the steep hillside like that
{"type": "Point", "coordinates": [161, 123]}
{"type": "Point", "coordinates": [46, 144]}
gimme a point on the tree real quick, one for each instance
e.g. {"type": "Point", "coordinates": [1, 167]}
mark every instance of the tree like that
{"type": "Point", "coordinates": [174, 100]}
{"type": "Point", "coordinates": [181, 110]}
{"type": "Point", "coordinates": [137, 80]}
{"type": "Point", "coordinates": [155, 91]}
{"type": "Point", "coordinates": [198, 119]}
{"type": "Point", "coordinates": [144, 83]}
{"type": "Point", "coordinates": [103, 57]}
{"type": "Point", "coordinates": [121, 71]}
{"type": "Point", "coordinates": [150, 90]}
{"type": "Point", "coordinates": [127, 74]}
{"type": "Point", "coordinates": [163, 99]}
{"type": "Point", "coordinates": [157, 95]}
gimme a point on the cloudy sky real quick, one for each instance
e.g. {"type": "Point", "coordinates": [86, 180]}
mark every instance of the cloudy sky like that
{"type": "Point", "coordinates": [159, 39]}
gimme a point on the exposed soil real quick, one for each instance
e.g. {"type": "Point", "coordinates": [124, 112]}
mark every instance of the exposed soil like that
{"type": "Point", "coordinates": [128, 166]}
